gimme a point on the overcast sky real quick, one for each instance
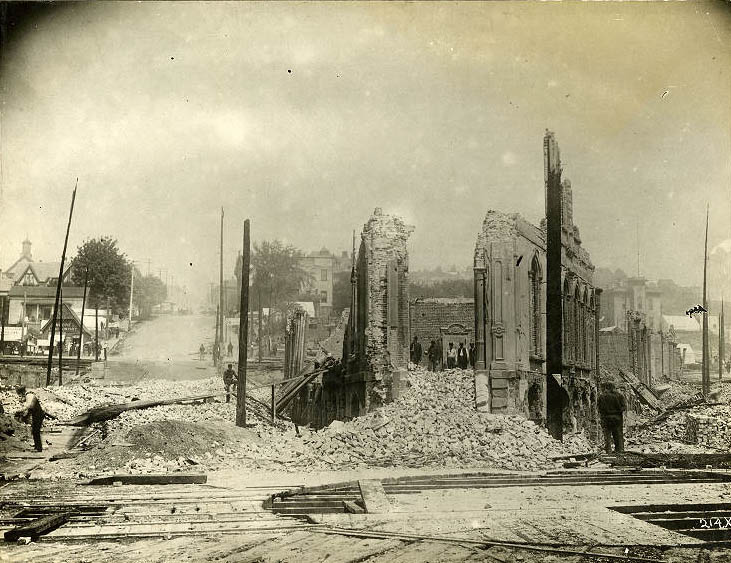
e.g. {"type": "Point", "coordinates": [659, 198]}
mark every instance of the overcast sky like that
{"type": "Point", "coordinates": [304, 117]}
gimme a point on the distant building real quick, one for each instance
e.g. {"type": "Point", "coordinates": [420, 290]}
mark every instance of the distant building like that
{"type": "Point", "coordinates": [636, 295]}
{"type": "Point", "coordinates": [320, 266]}
{"type": "Point", "coordinates": [28, 272]}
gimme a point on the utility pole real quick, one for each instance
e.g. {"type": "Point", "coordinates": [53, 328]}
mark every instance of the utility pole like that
{"type": "Point", "coordinates": [555, 393]}
{"type": "Point", "coordinates": [706, 375]}
{"type": "Point", "coordinates": [216, 341]}
{"type": "Point", "coordinates": [60, 341]}
{"type": "Point", "coordinates": [22, 324]}
{"type": "Point", "coordinates": [258, 294]}
{"type": "Point", "coordinates": [2, 326]}
{"type": "Point", "coordinates": [220, 290]}
{"type": "Point", "coordinates": [243, 330]}
{"type": "Point", "coordinates": [721, 342]}
{"type": "Point", "coordinates": [96, 331]}
{"type": "Point", "coordinates": [131, 293]}
{"type": "Point", "coordinates": [58, 287]}
{"type": "Point", "coordinates": [81, 324]}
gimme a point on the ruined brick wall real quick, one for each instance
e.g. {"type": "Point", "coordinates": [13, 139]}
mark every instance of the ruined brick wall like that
{"type": "Point", "coordinates": [429, 316]}
{"type": "Point", "coordinates": [375, 334]}
{"type": "Point", "coordinates": [386, 335]}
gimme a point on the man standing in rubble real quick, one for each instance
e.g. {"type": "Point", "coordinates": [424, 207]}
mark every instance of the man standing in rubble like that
{"type": "Point", "coordinates": [31, 409]}
{"type": "Point", "coordinates": [229, 380]}
{"type": "Point", "coordinates": [432, 354]}
{"type": "Point", "coordinates": [611, 405]}
{"type": "Point", "coordinates": [416, 351]}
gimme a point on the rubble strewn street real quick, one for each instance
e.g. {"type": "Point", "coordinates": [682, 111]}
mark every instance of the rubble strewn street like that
{"type": "Point", "coordinates": [203, 437]}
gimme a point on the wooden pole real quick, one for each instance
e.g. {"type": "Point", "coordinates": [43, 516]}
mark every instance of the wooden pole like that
{"type": "Point", "coordinates": [60, 340]}
{"type": "Point", "coordinates": [721, 343]}
{"type": "Point", "coordinates": [258, 293]}
{"type": "Point", "coordinates": [706, 375]}
{"type": "Point", "coordinates": [2, 326]}
{"type": "Point", "coordinates": [131, 295]}
{"type": "Point", "coordinates": [81, 324]}
{"type": "Point", "coordinates": [243, 330]}
{"type": "Point", "coordinates": [220, 293]}
{"type": "Point", "coordinates": [22, 325]}
{"type": "Point", "coordinates": [216, 342]}
{"type": "Point", "coordinates": [96, 331]}
{"type": "Point", "coordinates": [58, 287]}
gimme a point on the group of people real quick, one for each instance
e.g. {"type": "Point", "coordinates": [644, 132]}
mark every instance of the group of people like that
{"type": "Point", "coordinates": [460, 357]}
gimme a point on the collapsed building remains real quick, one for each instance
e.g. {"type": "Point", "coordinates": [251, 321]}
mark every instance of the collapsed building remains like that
{"type": "Point", "coordinates": [375, 351]}
{"type": "Point", "coordinates": [515, 335]}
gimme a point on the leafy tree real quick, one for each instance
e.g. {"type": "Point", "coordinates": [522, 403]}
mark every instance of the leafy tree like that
{"type": "Point", "coordinates": [109, 272]}
{"type": "Point", "coordinates": [149, 291]}
{"type": "Point", "coordinates": [445, 288]}
{"type": "Point", "coordinates": [278, 274]}
{"type": "Point", "coordinates": [341, 291]}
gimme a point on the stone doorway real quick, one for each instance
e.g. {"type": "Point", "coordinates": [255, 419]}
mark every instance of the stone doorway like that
{"type": "Point", "coordinates": [454, 333]}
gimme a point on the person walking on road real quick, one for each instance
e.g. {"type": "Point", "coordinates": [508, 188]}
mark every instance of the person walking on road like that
{"type": "Point", "coordinates": [31, 409]}
{"type": "Point", "coordinates": [611, 405]}
{"type": "Point", "coordinates": [230, 349]}
{"type": "Point", "coordinates": [202, 352]}
{"type": "Point", "coordinates": [229, 382]}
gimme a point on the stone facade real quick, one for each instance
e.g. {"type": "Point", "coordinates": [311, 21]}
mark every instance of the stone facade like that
{"type": "Point", "coordinates": [376, 339]}
{"type": "Point", "coordinates": [510, 264]}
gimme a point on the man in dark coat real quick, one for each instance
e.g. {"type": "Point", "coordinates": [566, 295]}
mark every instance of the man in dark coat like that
{"type": "Point", "coordinates": [472, 355]}
{"type": "Point", "coordinates": [229, 380]}
{"type": "Point", "coordinates": [31, 409]}
{"type": "Point", "coordinates": [611, 405]}
{"type": "Point", "coordinates": [416, 351]}
{"type": "Point", "coordinates": [433, 355]}
{"type": "Point", "coordinates": [462, 357]}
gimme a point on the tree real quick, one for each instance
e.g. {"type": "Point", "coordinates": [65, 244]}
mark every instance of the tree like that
{"type": "Point", "coordinates": [278, 274]}
{"type": "Point", "coordinates": [342, 291]}
{"type": "Point", "coordinates": [109, 272]}
{"type": "Point", "coordinates": [149, 291]}
{"type": "Point", "coordinates": [445, 288]}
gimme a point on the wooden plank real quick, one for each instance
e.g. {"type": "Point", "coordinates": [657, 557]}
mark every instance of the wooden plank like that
{"type": "Point", "coordinates": [38, 527]}
{"type": "Point", "coordinates": [150, 479]}
{"type": "Point", "coordinates": [374, 496]}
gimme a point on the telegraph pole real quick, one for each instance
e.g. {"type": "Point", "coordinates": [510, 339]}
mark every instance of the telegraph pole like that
{"type": "Point", "coordinates": [220, 292]}
{"type": "Point", "coordinates": [131, 293]}
{"type": "Point", "coordinates": [81, 324]}
{"type": "Point", "coordinates": [58, 288]}
{"type": "Point", "coordinates": [60, 340]}
{"type": "Point", "coordinates": [721, 342]}
{"type": "Point", "coordinates": [243, 330]}
{"type": "Point", "coordinates": [2, 326]}
{"type": "Point", "coordinates": [706, 375]}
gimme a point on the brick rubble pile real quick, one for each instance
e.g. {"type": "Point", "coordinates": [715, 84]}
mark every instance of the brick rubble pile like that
{"type": "Point", "coordinates": [434, 424]}
{"type": "Point", "coordinates": [691, 426]}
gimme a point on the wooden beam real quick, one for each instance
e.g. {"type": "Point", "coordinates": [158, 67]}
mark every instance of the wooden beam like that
{"type": "Point", "coordinates": [151, 479]}
{"type": "Point", "coordinates": [37, 527]}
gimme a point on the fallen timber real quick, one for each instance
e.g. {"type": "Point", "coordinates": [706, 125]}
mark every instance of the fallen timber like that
{"type": "Point", "coordinates": [108, 412]}
{"type": "Point", "coordinates": [38, 527]}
